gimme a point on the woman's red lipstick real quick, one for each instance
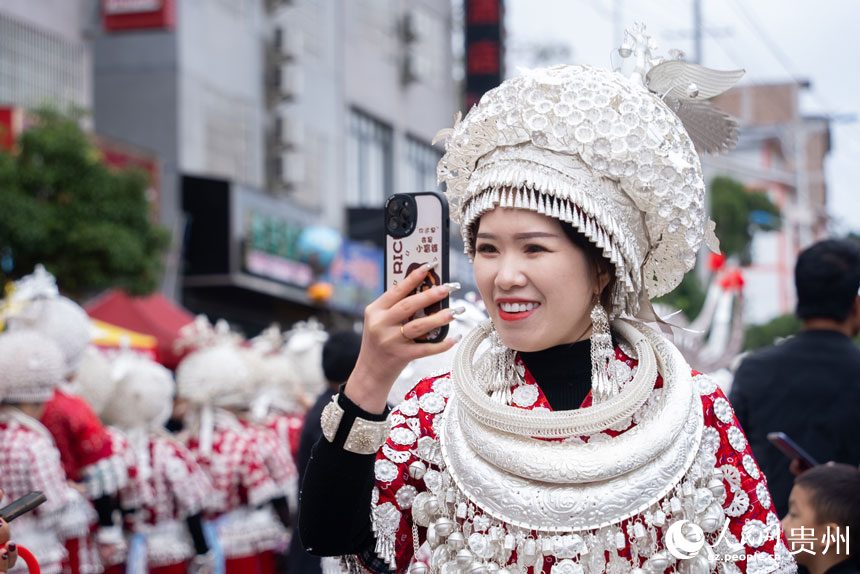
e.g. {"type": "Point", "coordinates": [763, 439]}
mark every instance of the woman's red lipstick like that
{"type": "Point", "coordinates": [519, 316]}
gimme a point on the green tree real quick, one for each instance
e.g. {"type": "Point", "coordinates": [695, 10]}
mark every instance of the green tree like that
{"type": "Point", "coordinates": [758, 336]}
{"type": "Point", "coordinates": [61, 206]}
{"type": "Point", "coordinates": [689, 296]}
{"type": "Point", "coordinates": [739, 214]}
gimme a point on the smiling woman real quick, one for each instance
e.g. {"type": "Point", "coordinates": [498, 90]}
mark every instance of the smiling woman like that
{"type": "Point", "coordinates": [530, 274]}
{"type": "Point", "coordinates": [569, 436]}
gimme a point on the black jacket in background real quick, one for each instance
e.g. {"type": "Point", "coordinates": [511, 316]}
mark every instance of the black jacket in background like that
{"type": "Point", "coordinates": [300, 561]}
{"type": "Point", "coordinates": [809, 388]}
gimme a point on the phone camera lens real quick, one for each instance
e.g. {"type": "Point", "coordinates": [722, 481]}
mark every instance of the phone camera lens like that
{"type": "Point", "coordinates": [406, 214]}
{"type": "Point", "coordinates": [393, 207]}
{"type": "Point", "coordinates": [392, 224]}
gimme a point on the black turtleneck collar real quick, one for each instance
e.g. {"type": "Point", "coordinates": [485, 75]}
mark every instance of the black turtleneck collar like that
{"type": "Point", "coordinates": [563, 373]}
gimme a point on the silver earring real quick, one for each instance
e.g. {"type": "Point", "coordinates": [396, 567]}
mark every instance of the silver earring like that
{"type": "Point", "coordinates": [498, 369]}
{"type": "Point", "coordinates": [603, 385]}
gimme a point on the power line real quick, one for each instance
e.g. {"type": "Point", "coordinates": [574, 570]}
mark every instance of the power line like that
{"type": "Point", "coordinates": [760, 31]}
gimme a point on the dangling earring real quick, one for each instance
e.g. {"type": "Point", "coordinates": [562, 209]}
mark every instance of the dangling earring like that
{"type": "Point", "coordinates": [498, 370]}
{"type": "Point", "coordinates": [603, 385]}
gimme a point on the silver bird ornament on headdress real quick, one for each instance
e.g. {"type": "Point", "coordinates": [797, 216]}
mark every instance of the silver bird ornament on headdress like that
{"type": "Point", "coordinates": [685, 87]}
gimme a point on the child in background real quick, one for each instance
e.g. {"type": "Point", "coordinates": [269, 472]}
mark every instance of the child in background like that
{"type": "Point", "coordinates": [823, 512]}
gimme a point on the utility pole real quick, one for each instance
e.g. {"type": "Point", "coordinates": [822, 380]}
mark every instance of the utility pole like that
{"type": "Point", "coordinates": [617, 21]}
{"type": "Point", "coordinates": [697, 31]}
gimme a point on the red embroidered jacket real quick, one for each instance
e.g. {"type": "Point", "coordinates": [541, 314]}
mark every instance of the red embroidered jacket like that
{"type": "Point", "coordinates": [747, 502]}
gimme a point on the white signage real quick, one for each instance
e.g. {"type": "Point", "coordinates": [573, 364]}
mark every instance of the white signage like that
{"type": "Point", "coordinates": [113, 7]}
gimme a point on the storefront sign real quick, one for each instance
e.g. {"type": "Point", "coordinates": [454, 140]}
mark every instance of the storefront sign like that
{"type": "Point", "coordinates": [272, 249]}
{"type": "Point", "coordinates": [120, 15]}
{"type": "Point", "coordinates": [276, 248]}
{"type": "Point", "coordinates": [356, 274]}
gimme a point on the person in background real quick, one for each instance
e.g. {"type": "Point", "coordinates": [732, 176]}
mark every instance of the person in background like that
{"type": "Point", "coordinates": [809, 386]}
{"type": "Point", "coordinates": [823, 510]}
{"type": "Point", "coordinates": [249, 509]}
{"type": "Point", "coordinates": [172, 489]}
{"type": "Point", "coordinates": [31, 365]}
{"type": "Point", "coordinates": [86, 448]}
{"type": "Point", "coordinates": [338, 359]}
{"type": "Point", "coordinates": [275, 455]}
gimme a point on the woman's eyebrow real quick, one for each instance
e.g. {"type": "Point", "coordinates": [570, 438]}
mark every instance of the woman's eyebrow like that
{"type": "Point", "coordinates": [519, 236]}
{"type": "Point", "coordinates": [534, 235]}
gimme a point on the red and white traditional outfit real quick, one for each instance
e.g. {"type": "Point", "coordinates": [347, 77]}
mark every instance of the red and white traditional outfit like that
{"type": "Point", "coordinates": [29, 462]}
{"type": "Point", "coordinates": [287, 427]}
{"type": "Point", "coordinates": [31, 365]}
{"type": "Point", "coordinates": [245, 523]}
{"type": "Point", "coordinates": [242, 461]}
{"type": "Point", "coordinates": [84, 444]}
{"type": "Point", "coordinates": [168, 487]}
{"type": "Point", "coordinates": [180, 489]}
{"type": "Point", "coordinates": [282, 401]}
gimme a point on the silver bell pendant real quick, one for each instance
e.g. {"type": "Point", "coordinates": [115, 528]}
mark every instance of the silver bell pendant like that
{"type": "Point", "coordinates": [418, 568]}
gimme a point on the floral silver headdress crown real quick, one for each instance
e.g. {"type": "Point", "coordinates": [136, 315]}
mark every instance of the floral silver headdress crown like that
{"type": "Point", "coordinates": [614, 156]}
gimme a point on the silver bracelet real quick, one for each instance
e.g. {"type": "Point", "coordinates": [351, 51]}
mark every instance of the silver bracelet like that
{"type": "Point", "coordinates": [365, 437]}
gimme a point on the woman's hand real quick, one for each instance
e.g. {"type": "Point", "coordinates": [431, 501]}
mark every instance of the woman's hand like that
{"type": "Point", "coordinates": [8, 550]}
{"type": "Point", "coordinates": [386, 348]}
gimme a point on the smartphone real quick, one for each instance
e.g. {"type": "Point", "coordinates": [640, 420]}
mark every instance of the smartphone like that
{"type": "Point", "coordinates": [22, 506]}
{"type": "Point", "coordinates": [790, 448]}
{"type": "Point", "coordinates": [416, 232]}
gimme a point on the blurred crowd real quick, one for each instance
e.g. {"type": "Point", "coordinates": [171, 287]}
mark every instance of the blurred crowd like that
{"type": "Point", "coordinates": [149, 470]}
{"type": "Point", "coordinates": [146, 470]}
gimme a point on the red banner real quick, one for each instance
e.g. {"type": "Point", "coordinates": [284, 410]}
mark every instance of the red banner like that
{"type": "Point", "coordinates": [11, 124]}
{"type": "Point", "coordinates": [122, 15]}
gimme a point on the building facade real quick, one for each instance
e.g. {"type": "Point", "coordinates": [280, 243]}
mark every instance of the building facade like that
{"type": "Point", "coordinates": [45, 55]}
{"type": "Point", "coordinates": [310, 111]}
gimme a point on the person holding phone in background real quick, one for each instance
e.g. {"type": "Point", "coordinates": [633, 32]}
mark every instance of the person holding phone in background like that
{"type": "Point", "coordinates": [569, 437]}
{"type": "Point", "coordinates": [808, 387]}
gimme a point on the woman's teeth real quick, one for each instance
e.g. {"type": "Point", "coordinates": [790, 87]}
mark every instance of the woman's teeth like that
{"type": "Point", "coordinates": [517, 307]}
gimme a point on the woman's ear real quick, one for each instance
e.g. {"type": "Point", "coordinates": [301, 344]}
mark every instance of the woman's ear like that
{"type": "Point", "coordinates": [602, 278]}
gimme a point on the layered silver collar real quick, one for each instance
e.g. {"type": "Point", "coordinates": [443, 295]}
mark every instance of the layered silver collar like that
{"type": "Point", "coordinates": [496, 456]}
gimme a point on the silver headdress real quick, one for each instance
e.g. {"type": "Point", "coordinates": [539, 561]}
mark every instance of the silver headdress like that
{"type": "Point", "coordinates": [31, 366]}
{"type": "Point", "coordinates": [611, 155]}
{"type": "Point", "coordinates": [35, 304]}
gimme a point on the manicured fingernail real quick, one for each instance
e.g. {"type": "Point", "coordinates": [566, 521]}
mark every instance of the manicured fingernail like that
{"type": "Point", "coordinates": [12, 546]}
{"type": "Point", "coordinates": [458, 311]}
{"type": "Point", "coordinates": [456, 338]}
{"type": "Point", "coordinates": [5, 556]}
{"type": "Point", "coordinates": [429, 266]}
{"type": "Point", "coordinates": [450, 287]}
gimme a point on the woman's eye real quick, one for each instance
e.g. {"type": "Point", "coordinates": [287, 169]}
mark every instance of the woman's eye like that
{"type": "Point", "coordinates": [534, 248]}
{"type": "Point", "coordinates": [486, 248]}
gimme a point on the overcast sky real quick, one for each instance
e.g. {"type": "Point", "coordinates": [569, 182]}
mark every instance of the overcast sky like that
{"type": "Point", "coordinates": [773, 40]}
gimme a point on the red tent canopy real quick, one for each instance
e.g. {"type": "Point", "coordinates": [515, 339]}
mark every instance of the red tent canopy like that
{"type": "Point", "coordinates": [153, 315]}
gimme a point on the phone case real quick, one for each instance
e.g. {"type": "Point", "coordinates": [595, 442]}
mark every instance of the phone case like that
{"type": "Point", "coordinates": [426, 243]}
